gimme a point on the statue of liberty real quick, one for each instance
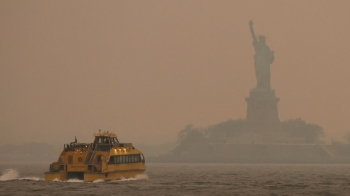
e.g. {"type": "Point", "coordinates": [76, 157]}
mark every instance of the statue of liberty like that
{"type": "Point", "coordinates": [262, 59]}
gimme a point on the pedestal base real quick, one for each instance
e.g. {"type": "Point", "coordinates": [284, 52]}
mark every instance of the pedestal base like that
{"type": "Point", "coordinates": [262, 110]}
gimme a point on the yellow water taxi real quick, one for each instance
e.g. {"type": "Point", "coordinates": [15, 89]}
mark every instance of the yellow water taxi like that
{"type": "Point", "coordinates": [105, 159]}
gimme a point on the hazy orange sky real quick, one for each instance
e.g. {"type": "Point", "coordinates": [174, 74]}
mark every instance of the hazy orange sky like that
{"type": "Point", "coordinates": [146, 69]}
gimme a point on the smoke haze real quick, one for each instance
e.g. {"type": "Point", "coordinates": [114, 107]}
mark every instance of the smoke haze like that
{"type": "Point", "coordinates": [146, 69]}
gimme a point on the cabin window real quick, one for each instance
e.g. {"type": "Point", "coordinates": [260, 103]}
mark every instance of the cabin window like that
{"type": "Point", "coordinates": [121, 159]}
{"type": "Point", "coordinates": [70, 159]}
{"type": "Point", "coordinates": [99, 158]}
{"type": "Point", "coordinates": [106, 140]}
{"type": "Point", "coordinates": [142, 158]}
{"type": "Point", "coordinates": [137, 158]}
{"type": "Point", "coordinates": [112, 159]}
{"type": "Point", "coordinates": [118, 159]}
{"type": "Point", "coordinates": [126, 159]}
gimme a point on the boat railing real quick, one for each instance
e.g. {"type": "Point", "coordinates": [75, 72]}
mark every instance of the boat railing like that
{"type": "Point", "coordinates": [118, 145]}
{"type": "Point", "coordinates": [98, 147]}
{"type": "Point", "coordinates": [74, 146]}
{"type": "Point", "coordinates": [103, 147]}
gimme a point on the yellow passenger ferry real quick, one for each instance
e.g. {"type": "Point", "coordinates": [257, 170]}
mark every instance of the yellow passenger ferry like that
{"type": "Point", "coordinates": [105, 159]}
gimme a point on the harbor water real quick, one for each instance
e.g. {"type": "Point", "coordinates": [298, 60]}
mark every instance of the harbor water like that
{"type": "Point", "coordinates": [188, 179]}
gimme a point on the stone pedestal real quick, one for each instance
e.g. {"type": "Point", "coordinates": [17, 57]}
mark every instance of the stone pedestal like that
{"type": "Point", "coordinates": [262, 111]}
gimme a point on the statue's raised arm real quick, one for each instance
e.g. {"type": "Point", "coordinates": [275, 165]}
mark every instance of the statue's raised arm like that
{"type": "Point", "coordinates": [252, 31]}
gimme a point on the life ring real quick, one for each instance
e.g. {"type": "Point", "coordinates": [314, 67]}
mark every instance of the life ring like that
{"type": "Point", "coordinates": [80, 159]}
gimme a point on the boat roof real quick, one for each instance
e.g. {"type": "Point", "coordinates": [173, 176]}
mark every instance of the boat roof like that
{"type": "Point", "coordinates": [105, 134]}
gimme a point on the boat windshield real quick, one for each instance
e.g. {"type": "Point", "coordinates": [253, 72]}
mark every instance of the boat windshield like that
{"type": "Point", "coordinates": [115, 141]}
{"type": "Point", "coordinates": [106, 140]}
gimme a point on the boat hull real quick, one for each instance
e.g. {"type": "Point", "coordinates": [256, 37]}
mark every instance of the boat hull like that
{"type": "Point", "coordinates": [51, 176]}
{"type": "Point", "coordinates": [89, 177]}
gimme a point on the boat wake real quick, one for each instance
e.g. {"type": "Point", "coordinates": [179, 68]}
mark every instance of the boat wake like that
{"type": "Point", "coordinates": [12, 174]}
{"type": "Point", "coordinates": [70, 180]}
{"type": "Point", "coordinates": [9, 174]}
{"type": "Point", "coordinates": [98, 181]}
{"type": "Point", "coordinates": [74, 180]}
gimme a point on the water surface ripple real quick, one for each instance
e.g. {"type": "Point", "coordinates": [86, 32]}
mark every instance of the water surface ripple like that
{"type": "Point", "coordinates": [188, 179]}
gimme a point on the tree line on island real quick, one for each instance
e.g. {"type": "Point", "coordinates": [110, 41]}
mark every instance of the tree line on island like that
{"type": "Point", "coordinates": [296, 128]}
{"type": "Point", "coordinates": [225, 133]}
